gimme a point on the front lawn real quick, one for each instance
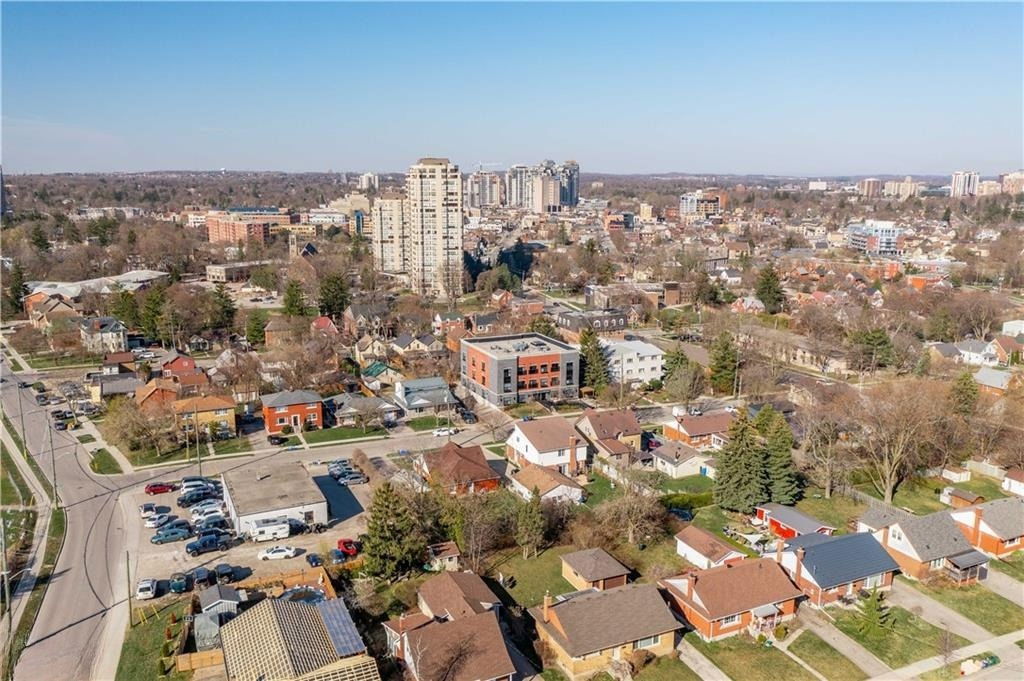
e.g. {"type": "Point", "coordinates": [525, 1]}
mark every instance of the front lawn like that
{"type": "Point", "coordinates": [104, 463]}
{"type": "Point", "coordinates": [498, 449]}
{"type": "Point", "coordinates": [983, 607]}
{"type": "Point", "coordinates": [909, 640]}
{"type": "Point", "coordinates": [837, 511]}
{"type": "Point", "coordinates": [667, 669]}
{"type": "Point", "coordinates": [427, 422]}
{"type": "Point", "coordinates": [149, 456]}
{"type": "Point", "coordinates": [141, 650]}
{"type": "Point", "coordinates": [53, 362]}
{"type": "Point", "coordinates": [1012, 565]}
{"type": "Point", "coordinates": [741, 658]}
{"type": "Point", "coordinates": [341, 433]}
{"type": "Point", "coordinates": [518, 411]}
{"type": "Point", "coordinates": [921, 495]}
{"type": "Point", "coordinates": [599, 491]}
{"type": "Point", "coordinates": [86, 439]}
{"type": "Point", "coordinates": [825, 659]}
{"type": "Point", "coordinates": [533, 576]}
{"type": "Point", "coordinates": [692, 484]}
{"type": "Point", "coordinates": [234, 445]}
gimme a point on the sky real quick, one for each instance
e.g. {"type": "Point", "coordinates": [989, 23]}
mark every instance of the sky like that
{"type": "Point", "coordinates": [784, 89]}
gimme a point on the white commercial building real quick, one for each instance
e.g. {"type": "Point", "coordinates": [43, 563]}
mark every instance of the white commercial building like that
{"type": "Point", "coordinates": [817, 186]}
{"type": "Point", "coordinates": [518, 187]}
{"type": "Point", "coordinates": [433, 189]}
{"type": "Point", "coordinates": [260, 492]}
{"type": "Point", "coordinates": [368, 181]}
{"type": "Point", "coordinates": [633, 361]}
{"type": "Point", "coordinates": [964, 183]}
{"type": "Point", "coordinates": [390, 243]}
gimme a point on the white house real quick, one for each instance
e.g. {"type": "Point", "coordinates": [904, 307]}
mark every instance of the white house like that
{"type": "Point", "coordinates": [551, 442]}
{"type": "Point", "coordinates": [1013, 327]}
{"type": "Point", "coordinates": [1014, 482]}
{"type": "Point", "coordinates": [976, 353]}
{"type": "Point", "coordinates": [704, 550]}
{"type": "Point", "coordinates": [633, 361]}
{"type": "Point", "coordinates": [549, 484]}
{"type": "Point", "coordinates": [679, 460]}
{"type": "Point", "coordinates": [103, 334]}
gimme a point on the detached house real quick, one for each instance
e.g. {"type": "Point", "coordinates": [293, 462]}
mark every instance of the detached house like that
{"type": "Point", "coordinates": [995, 527]}
{"type": "Point", "coordinates": [706, 431]}
{"type": "Point", "coordinates": [103, 334]}
{"type": "Point", "coordinates": [750, 595]}
{"type": "Point", "coordinates": [548, 483]}
{"type": "Point", "coordinates": [365, 319]}
{"type": "Point", "coordinates": [1014, 481]}
{"type": "Point", "coordinates": [827, 569]}
{"type": "Point", "coordinates": [292, 408]}
{"type": "Point", "coordinates": [678, 460]}
{"type": "Point", "coordinates": [424, 395]}
{"type": "Point", "coordinates": [614, 434]}
{"type": "Point", "coordinates": [551, 442]}
{"type": "Point", "coordinates": [585, 631]}
{"type": "Point", "coordinates": [457, 470]}
{"type": "Point", "coordinates": [214, 412]}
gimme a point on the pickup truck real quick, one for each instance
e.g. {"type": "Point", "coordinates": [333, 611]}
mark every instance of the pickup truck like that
{"type": "Point", "coordinates": [206, 544]}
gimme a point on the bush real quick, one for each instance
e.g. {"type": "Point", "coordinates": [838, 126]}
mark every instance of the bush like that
{"type": "Point", "coordinates": [781, 632]}
{"type": "Point", "coordinates": [761, 638]}
{"type": "Point", "coordinates": [308, 426]}
{"type": "Point", "coordinates": [688, 501]}
{"type": "Point", "coordinates": [160, 670]}
{"type": "Point", "coordinates": [287, 430]}
{"type": "Point", "coordinates": [655, 384]}
{"type": "Point", "coordinates": [640, 659]}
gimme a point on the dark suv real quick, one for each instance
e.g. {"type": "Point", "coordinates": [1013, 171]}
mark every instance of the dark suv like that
{"type": "Point", "coordinates": [206, 544]}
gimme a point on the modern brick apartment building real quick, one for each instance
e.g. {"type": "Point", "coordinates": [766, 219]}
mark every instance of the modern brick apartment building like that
{"type": "Point", "coordinates": [519, 368]}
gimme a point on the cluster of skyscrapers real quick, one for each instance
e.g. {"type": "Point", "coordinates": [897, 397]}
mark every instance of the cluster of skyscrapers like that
{"type": "Point", "coordinates": [547, 187]}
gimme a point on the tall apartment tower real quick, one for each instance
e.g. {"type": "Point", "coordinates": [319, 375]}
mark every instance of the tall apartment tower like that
{"type": "Point", "coordinates": [569, 176]}
{"type": "Point", "coordinates": [390, 238]}
{"type": "Point", "coordinates": [518, 188]}
{"type": "Point", "coordinates": [964, 183]}
{"type": "Point", "coordinates": [483, 188]}
{"type": "Point", "coordinates": [368, 181]}
{"type": "Point", "coordinates": [870, 187]}
{"type": "Point", "coordinates": [546, 194]}
{"type": "Point", "coordinates": [433, 190]}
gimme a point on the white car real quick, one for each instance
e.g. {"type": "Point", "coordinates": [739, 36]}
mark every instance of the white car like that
{"type": "Point", "coordinates": [157, 520]}
{"type": "Point", "coordinates": [147, 510]}
{"type": "Point", "coordinates": [209, 503]}
{"type": "Point", "coordinates": [145, 590]}
{"type": "Point", "coordinates": [730, 408]}
{"type": "Point", "coordinates": [277, 552]}
{"type": "Point", "coordinates": [444, 432]}
{"type": "Point", "coordinates": [203, 514]}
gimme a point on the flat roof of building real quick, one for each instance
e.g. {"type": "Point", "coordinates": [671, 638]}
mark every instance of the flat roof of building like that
{"type": "Point", "coordinates": [259, 488]}
{"type": "Point", "coordinates": [517, 345]}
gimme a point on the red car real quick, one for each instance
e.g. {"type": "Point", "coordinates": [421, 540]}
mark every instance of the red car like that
{"type": "Point", "coordinates": [348, 546]}
{"type": "Point", "coordinates": [159, 488]}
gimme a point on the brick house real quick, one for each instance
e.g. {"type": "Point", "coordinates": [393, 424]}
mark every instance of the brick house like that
{"type": "Point", "coordinates": [995, 527]}
{"type": "Point", "coordinates": [292, 408]}
{"type": "Point", "coordinates": [457, 470]}
{"type": "Point", "coordinates": [614, 434]}
{"type": "Point", "coordinates": [203, 413]}
{"type": "Point", "coordinates": [750, 595]}
{"type": "Point", "coordinates": [585, 631]}
{"type": "Point", "coordinates": [699, 431]}
{"type": "Point", "coordinates": [176, 364]}
{"type": "Point", "coordinates": [829, 568]}
{"type": "Point", "coordinates": [593, 569]}
{"type": "Point", "coordinates": [551, 442]}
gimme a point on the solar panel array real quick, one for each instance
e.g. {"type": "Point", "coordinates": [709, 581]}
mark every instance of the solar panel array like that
{"type": "Point", "coordinates": [341, 628]}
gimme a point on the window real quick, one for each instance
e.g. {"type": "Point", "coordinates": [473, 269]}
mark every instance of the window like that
{"type": "Point", "coordinates": [876, 580]}
{"type": "Point", "coordinates": [282, 422]}
{"type": "Point", "coordinates": [1012, 542]}
{"type": "Point", "coordinates": [934, 565]}
{"type": "Point", "coordinates": [281, 410]}
{"type": "Point", "coordinates": [730, 620]}
{"type": "Point", "coordinates": [648, 642]}
{"type": "Point", "coordinates": [220, 412]}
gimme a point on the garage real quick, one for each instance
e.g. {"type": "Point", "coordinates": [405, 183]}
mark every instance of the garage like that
{"type": "Point", "coordinates": [253, 493]}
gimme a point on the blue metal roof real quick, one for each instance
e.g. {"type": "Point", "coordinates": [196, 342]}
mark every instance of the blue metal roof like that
{"type": "Point", "coordinates": [341, 628]}
{"type": "Point", "coordinates": [842, 559]}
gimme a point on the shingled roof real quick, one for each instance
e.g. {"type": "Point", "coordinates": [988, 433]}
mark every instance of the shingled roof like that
{"type": "Point", "coordinates": [457, 594]}
{"type": "Point", "coordinates": [467, 649]}
{"type": "Point", "coordinates": [733, 589]}
{"type": "Point", "coordinates": [456, 465]}
{"type": "Point", "coordinates": [594, 564]}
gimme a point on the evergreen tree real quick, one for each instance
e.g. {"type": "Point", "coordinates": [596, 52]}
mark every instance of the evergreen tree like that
{"type": "Point", "coordinates": [530, 525]}
{"type": "Point", "coordinates": [674, 360]}
{"type": "Point", "coordinates": [871, 349]}
{"type": "Point", "coordinates": [874, 616]}
{"type": "Point", "coordinates": [741, 482]}
{"type": "Point", "coordinates": [391, 546]}
{"type": "Point", "coordinates": [16, 290]}
{"type": "Point", "coordinates": [224, 309]}
{"type": "Point", "coordinates": [254, 327]}
{"type": "Point", "coordinates": [294, 301]}
{"type": "Point", "coordinates": [126, 308]}
{"type": "Point", "coordinates": [963, 395]}
{"type": "Point", "coordinates": [783, 483]}
{"type": "Point", "coordinates": [38, 239]}
{"type": "Point", "coordinates": [924, 364]}
{"type": "Point", "coordinates": [724, 360]}
{"type": "Point", "coordinates": [152, 308]}
{"type": "Point", "coordinates": [595, 364]}
{"type": "Point", "coordinates": [71, 233]}
{"type": "Point", "coordinates": [543, 325]}
{"type": "Point", "coordinates": [769, 290]}
{"type": "Point", "coordinates": [707, 291]}
{"type": "Point", "coordinates": [765, 419]}
{"type": "Point", "coordinates": [334, 296]}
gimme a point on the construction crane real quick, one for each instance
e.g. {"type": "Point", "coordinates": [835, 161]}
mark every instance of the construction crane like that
{"type": "Point", "coordinates": [480, 165]}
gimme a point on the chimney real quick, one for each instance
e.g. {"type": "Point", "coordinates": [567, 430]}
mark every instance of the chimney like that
{"type": "Point", "coordinates": [799, 565]}
{"type": "Point", "coordinates": [779, 544]}
{"type": "Point", "coordinates": [885, 537]}
{"type": "Point", "coordinates": [691, 584]}
{"type": "Point", "coordinates": [400, 647]}
{"type": "Point", "coordinates": [547, 605]}
{"type": "Point", "coordinates": [573, 464]}
{"type": "Point", "coordinates": [976, 530]}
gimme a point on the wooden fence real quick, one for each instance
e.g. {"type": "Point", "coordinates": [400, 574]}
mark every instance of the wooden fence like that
{"type": "Point", "coordinates": [193, 661]}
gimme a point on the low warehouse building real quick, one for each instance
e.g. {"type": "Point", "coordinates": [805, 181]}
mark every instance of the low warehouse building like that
{"type": "Point", "coordinates": [252, 494]}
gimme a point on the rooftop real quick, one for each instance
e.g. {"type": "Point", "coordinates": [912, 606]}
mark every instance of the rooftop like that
{"type": "Point", "coordinates": [517, 345]}
{"type": "Point", "coordinates": [594, 564]}
{"type": "Point", "coordinates": [258, 488]}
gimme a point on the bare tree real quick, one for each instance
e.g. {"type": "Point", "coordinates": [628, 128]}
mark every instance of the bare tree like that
{"type": "Point", "coordinates": [824, 453]}
{"type": "Point", "coordinates": [639, 515]}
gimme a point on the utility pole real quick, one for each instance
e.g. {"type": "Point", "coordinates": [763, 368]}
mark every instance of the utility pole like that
{"type": "Point", "coordinates": [195, 424]}
{"type": "Point", "coordinates": [5, 573]}
{"type": "Point", "coordinates": [53, 466]}
{"type": "Point", "coordinates": [128, 586]}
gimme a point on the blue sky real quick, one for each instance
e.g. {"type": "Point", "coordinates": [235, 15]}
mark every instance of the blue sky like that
{"type": "Point", "coordinates": [805, 89]}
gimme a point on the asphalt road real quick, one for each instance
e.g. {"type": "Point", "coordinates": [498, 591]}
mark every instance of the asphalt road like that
{"type": "Point", "coordinates": [64, 642]}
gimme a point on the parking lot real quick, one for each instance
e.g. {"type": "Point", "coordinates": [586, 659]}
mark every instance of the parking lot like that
{"type": "Point", "coordinates": [158, 561]}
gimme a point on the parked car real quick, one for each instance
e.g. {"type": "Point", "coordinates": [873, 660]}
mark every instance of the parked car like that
{"type": "Point", "coordinates": [206, 544]}
{"type": "Point", "coordinates": [337, 557]}
{"type": "Point", "coordinates": [213, 523]}
{"type": "Point", "coordinates": [278, 552]}
{"type": "Point", "coordinates": [215, 504]}
{"type": "Point", "coordinates": [202, 577]}
{"type": "Point", "coordinates": [179, 522]}
{"type": "Point", "coordinates": [225, 573]}
{"type": "Point", "coordinates": [277, 440]}
{"type": "Point", "coordinates": [159, 488]}
{"type": "Point", "coordinates": [192, 498]}
{"type": "Point", "coordinates": [314, 559]}
{"type": "Point", "coordinates": [214, 532]}
{"type": "Point", "coordinates": [683, 514]}
{"type": "Point", "coordinates": [145, 590]}
{"type": "Point", "coordinates": [41, 400]}
{"type": "Point", "coordinates": [349, 547]}
{"type": "Point", "coordinates": [157, 520]}
{"type": "Point", "coordinates": [55, 399]}
{"type": "Point", "coordinates": [60, 425]}
{"type": "Point", "coordinates": [24, 384]}
{"type": "Point", "coordinates": [469, 417]}
{"type": "Point", "coordinates": [352, 478]}
{"type": "Point", "coordinates": [445, 432]}
{"type": "Point", "coordinates": [147, 510]}
{"type": "Point", "coordinates": [178, 583]}
{"type": "Point", "coordinates": [167, 535]}
{"type": "Point", "coordinates": [202, 514]}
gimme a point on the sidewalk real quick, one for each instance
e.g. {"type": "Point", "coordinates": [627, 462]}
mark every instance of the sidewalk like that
{"type": "Point", "coordinates": [936, 613]}
{"type": "Point", "coordinates": [89, 428]}
{"type": "Point", "coordinates": [1004, 646]}
{"type": "Point", "coordinates": [702, 666]}
{"type": "Point", "coordinates": [784, 647]}
{"type": "Point", "coordinates": [847, 647]}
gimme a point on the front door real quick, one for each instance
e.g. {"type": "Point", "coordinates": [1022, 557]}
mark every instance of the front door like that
{"type": "Point", "coordinates": [295, 420]}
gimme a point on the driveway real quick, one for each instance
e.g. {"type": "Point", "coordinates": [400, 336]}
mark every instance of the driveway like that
{"type": "Point", "coordinates": [936, 613]}
{"type": "Point", "coordinates": [1006, 586]}
{"type": "Point", "coordinates": [702, 666]}
{"type": "Point", "coordinates": [847, 647]}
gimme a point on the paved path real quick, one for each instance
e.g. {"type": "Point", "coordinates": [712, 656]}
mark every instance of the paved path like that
{"type": "Point", "coordinates": [702, 666]}
{"type": "Point", "coordinates": [930, 610]}
{"type": "Point", "coordinates": [1006, 586]}
{"type": "Point", "coordinates": [784, 647]}
{"type": "Point", "coordinates": [90, 428]}
{"type": "Point", "coordinates": [847, 647]}
{"type": "Point", "coordinates": [1004, 646]}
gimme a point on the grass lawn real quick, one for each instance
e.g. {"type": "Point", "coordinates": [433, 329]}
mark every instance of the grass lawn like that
{"type": "Point", "coordinates": [655, 561]}
{"type": "Point", "coordinates": [950, 671]}
{"type": "Point", "coordinates": [427, 422]}
{"type": "Point", "coordinates": [235, 445]}
{"type": "Point", "coordinates": [599, 491]}
{"type": "Point", "coordinates": [50, 362]}
{"type": "Point", "coordinates": [713, 519]}
{"type": "Point", "coordinates": [1012, 565]}
{"type": "Point", "coordinates": [741, 658]}
{"type": "Point", "coordinates": [341, 433]}
{"type": "Point", "coordinates": [825, 659]}
{"type": "Point", "coordinates": [911, 638]}
{"type": "Point", "coordinates": [86, 439]}
{"type": "Point", "coordinates": [552, 675]}
{"type": "Point", "coordinates": [921, 495]}
{"type": "Point", "coordinates": [837, 511]}
{"type": "Point", "coordinates": [104, 463]}
{"type": "Point", "coordinates": [32, 463]}
{"type": "Point", "coordinates": [142, 643]}
{"type": "Point", "coordinates": [51, 551]}
{"type": "Point", "coordinates": [17, 523]}
{"type": "Point", "coordinates": [149, 456]}
{"type": "Point", "coordinates": [533, 576]}
{"type": "Point", "coordinates": [983, 607]}
{"type": "Point", "coordinates": [691, 483]}
{"type": "Point", "coordinates": [535, 409]}
{"type": "Point", "coordinates": [568, 408]}
{"type": "Point", "coordinates": [13, 488]}
{"type": "Point", "coordinates": [498, 448]}
{"type": "Point", "coordinates": [15, 364]}
{"type": "Point", "coordinates": [667, 669]}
